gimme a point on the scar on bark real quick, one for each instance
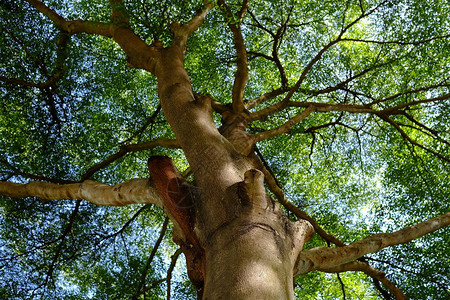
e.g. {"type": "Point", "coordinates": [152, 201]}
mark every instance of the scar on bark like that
{"type": "Point", "coordinates": [178, 203]}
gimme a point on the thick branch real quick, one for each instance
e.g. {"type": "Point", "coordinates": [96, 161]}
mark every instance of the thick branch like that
{"type": "Point", "coordinates": [140, 55]}
{"type": "Point", "coordinates": [325, 258]}
{"type": "Point", "coordinates": [76, 26]}
{"type": "Point", "coordinates": [129, 192]}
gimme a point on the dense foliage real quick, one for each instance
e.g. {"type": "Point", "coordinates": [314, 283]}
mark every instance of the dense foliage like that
{"type": "Point", "coordinates": [70, 102]}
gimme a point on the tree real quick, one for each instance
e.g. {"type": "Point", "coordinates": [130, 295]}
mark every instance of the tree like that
{"type": "Point", "coordinates": [311, 134]}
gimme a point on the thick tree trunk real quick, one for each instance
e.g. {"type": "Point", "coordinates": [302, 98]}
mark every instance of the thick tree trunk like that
{"type": "Point", "coordinates": [249, 246]}
{"type": "Point", "coordinates": [252, 255]}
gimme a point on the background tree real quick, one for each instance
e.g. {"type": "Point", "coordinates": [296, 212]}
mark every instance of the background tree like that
{"type": "Point", "coordinates": [297, 116]}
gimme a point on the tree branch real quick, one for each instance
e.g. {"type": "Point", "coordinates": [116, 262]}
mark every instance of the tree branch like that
{"type": "Point", "coordinates": [62, 239]}
{"type": "Point", "coordinates": [322, 258]}
{"type": "Point", "coordinates": [368, 270]}
{"type": "Point", "coordinates": [445, 287]}
{"type": "Point", "coordinates": [125, 149]}
{"type": "Point", "coordinates": [182, 32]}
{"type": "Point", "coordinates": [241, 76]}
{"type": "Point", "coordinates": [275, 188]}
{"type": "Point", "coordinates": [72, 27]}
{"type": "Point", "coordinates": [286, 126]}
{"type": "Point", "coordinates": [249, 104]}
{"type": "Point", "coordinates": [133, 191]}
{"type": "Point", "coordinates": [410, 140]}
{"type": "Point", "coordinates": [119, 15]}
{"type": "Point", "coordinates": [409, 92]}
{"type": "Point", "coordinates": [140, 55]}
{"type": "Point", "coordinates": [398, 42]}
{"type": "Point", "coordinates": [150, 259]}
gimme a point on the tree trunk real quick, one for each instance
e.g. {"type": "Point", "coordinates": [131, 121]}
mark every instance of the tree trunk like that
{"type": "Point", "coordinates": [252, 254]}
{"type": "Point", "coordinates": [249, 247]}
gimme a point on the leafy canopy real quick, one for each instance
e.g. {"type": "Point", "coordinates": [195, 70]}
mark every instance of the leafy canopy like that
{"type": "Point", "coordinates": [70, 101]}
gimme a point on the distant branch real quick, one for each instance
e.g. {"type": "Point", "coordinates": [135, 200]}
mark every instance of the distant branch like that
{"type": "Point", "coordinates": [127, 223]}
{"type": "Point", "coordinates": [398, 42]}
{"type": "Point", "coordinates": [410, 140]}
{"type": "Point", "coordinates": [241, 76]}
{"type": "Point", "coordinates": [413, 103]}
{"type": "Point", "coordinates": [61, 52]}
{"type": "Point", "coordinates": [368, 270]}
{"type": "Point", "coordinates": [261, 99]}
{"type": "Point", "coordinates": [445, 287]}
{"type": "Point", "coordinates": [150, 259]}
{"type": "Point", "coordinates": [125, 149]}
{"type": "Point", "coordinates": [62, 239]}
{"type": "Point", "coordinates": [17, 172]}
{"type": "Point", "coordinates": [411, 92]}
{"type": "Point", "coordinates": [286, 101]}
{"type": "Point", "coordinates": [286, 126]}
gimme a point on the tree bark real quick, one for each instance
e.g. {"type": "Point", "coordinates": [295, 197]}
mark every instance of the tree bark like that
{"type": "Point", "coordinates": [250, 246]}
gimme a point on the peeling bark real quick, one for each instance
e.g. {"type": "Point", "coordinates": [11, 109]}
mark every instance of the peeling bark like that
{"type": "Point", "coordinates": [178, 204]}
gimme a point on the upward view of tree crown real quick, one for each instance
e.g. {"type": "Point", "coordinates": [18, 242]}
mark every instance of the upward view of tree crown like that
{"type": "Point", "coordinates": [167, 149]}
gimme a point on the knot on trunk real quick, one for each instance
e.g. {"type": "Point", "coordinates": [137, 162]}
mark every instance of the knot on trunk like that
{"type": "Point", "coordinates": [254, 188]}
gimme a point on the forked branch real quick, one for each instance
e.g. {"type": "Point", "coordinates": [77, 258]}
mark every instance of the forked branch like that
{"type": "Point", "coordinates": [275, 188]}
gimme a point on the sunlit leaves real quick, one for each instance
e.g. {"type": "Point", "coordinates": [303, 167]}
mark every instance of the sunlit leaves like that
{"type": "Point", "coordinates": [355, 174]}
